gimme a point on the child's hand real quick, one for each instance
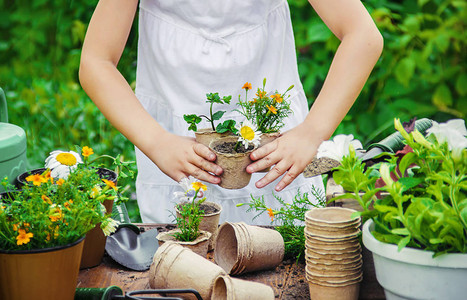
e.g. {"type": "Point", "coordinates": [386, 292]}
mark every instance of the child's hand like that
{"type": "Point", "coordinates": [290, 153]}
{"type": "Point", "coordinates": [180, 157]}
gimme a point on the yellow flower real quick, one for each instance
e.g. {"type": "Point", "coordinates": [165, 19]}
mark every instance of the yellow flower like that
{"type": "Point", "coordinates": [95, 191]}
{"type": "Point", "coordinates": [271, 214]}
{"type": "Point", "coordinates": [86, 151]}
{"type": "Point", "coordinates": [15, 227]}
{"type": "Point", "coordinates": [23, 237]}
{"type": "Point", "coordinates": [277, 98]}
{"type": "Point", "coordinates": [247, 86]}
{"type": "Point", "coordinates": [36, 179]}
{"type": "Point", "coordinates": [110, 183]}
{"type": "Point", "coordinates": [272, 109]}
{"type": "Point", "coordinates": [60, 181]}
{"type": "Point", "coordinates": [198, 185]}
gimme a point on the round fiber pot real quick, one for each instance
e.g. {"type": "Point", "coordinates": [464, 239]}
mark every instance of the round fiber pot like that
{"type": "Point", "coordinates": [210, 220]}
{"type": "Point", "coordinates": [198, 246]}
{"type": "Point", "coordinates": [206, 135]}
{"type": "Point", "coordinates": [325, 292]}
{"type": "Point", "coordinates": [331, 232]}
{"type": "Point", "coordinates": [332, 217]}
{"type": "Point", "coordinates": [42, 274]}
{"type": "Point", "coordinates": [177, 267]}
{"type": "Point", "coordinates": [266, 138]}
{"type": "Point", "coordinates": [414, 274]}
{"type": "Point", "coordinates": [242, 248]}
{"type": "Point", "coordinates": [234, 164]}
{"type": "Point", "coordinates": [228, 288]}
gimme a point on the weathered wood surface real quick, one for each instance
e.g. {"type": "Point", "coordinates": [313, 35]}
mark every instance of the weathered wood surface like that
{"type": "Point", "coordinates": [287, 280]}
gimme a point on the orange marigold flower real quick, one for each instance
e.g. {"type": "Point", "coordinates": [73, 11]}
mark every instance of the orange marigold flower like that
{"type": "Point", "coordinates": [252, 102]}
{"type": "Point", "coordinates": [86, 151]}
{"type": "Point", "coordinates": [271, 214]}
{"type": "Point", "coordinates": [56, 215]}
{"type": "Point", "coordinates": [36, 179]}
{"type": "Point", "coordinates": [23, 237]}
{"type": "Point", "coordinates": [277, 98]}
{"type": "Point", "coordinates": [199, 186]}
{"type": "Point", "coordinates": [47, 175]}
{"type": "Point", "coordinates": [110, 183]}
{"type": "Point", "coordinates": [247, 86]}
{"type": "Point", "coordinates": [60, 181]}
{"type": "Point", "coordinates": [272, 109]}
{"type": "Point", "coordinates": [260, 93]}
{"type": "Point", "coordinates": [15, 227]}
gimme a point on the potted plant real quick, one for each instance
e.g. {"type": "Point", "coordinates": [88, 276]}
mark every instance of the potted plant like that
{"type": "Point", "coordinates": [417, 227]}
{"type": "Point", "coordinates": [189, 217]}
{"type": "Point", "coordinates": [233, 154]}
{"type": "Point", "coordinates": [206, 135]}
{"type": "Point", "coordinates": [266, 111]}
{"type": "Point", "coordinates": [42, 229]}
{"type": "Point", "coordinates": [61, 163]}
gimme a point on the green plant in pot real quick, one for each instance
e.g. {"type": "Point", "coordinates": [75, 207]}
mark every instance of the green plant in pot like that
{"type": "Point", "coordinates": [416, 203]}
{"type": "Point", "coordinates": [189, 217]}
{"type": "Point", "coordinates": [42, 229]}
{"type": "Point", "coordinates": [206, 135]}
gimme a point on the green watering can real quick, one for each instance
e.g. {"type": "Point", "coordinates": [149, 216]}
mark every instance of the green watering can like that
{"type": "Point", "coordinates": [13, 159]}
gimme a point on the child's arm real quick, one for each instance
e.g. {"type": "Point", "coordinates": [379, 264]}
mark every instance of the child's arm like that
{"type": "Point", "coordinates": [105, 40]}
{"type": "Point", "coordinates": [360, 48]}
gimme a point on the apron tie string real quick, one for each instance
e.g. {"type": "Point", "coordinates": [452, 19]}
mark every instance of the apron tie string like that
{"type": "Point", "coordinates": [216, 38]}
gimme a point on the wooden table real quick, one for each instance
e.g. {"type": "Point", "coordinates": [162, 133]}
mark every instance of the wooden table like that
{"type": "Point", "coordinates": [287, 280]}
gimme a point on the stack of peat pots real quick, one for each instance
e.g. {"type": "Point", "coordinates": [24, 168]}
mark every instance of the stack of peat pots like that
{"type": "Point", "coordinates": [333, 253]}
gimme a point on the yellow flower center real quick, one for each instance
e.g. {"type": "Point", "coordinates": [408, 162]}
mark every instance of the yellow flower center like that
{"type": "Point", "coordinates": [67, 159]}
{"type": "Point", "coordinates": [247, 133]}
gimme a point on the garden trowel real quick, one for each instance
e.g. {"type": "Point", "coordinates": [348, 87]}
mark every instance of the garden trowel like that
{"type": "Point", "coordinates": [129, 246]}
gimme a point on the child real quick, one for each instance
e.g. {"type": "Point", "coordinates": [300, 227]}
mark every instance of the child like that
{"type": "Point", "coordinates": [189, 48]}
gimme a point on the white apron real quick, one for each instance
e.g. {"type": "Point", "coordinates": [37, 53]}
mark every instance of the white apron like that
{"type": "Point", "coordinates": [188, 48]}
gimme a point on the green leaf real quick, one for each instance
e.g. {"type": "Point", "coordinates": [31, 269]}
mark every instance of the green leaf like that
{"type": "Point", "coordinates": [404, 70]}
{"type": "Point", "coordinates": [400, 231]}
{"type": "Point", "coordinates": [442, 97]}
{"type": "Point", "coordinates": [402, 243]}
{"type": "Point", "coordinates": [217, 115]}
{"type": "Point", "coordinates": [410, 182]}
{"type": "Point", "coordinates": [406, 161]}
{"type": "Point", "coordinates": [461, 84]}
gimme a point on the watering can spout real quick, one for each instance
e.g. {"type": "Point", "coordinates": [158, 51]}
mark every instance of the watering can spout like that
{"type": "Point", "coordinates": [13, 159]}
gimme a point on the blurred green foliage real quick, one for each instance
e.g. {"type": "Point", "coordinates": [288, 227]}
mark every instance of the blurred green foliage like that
{"type": "Point", "coordinates": [421, 72]}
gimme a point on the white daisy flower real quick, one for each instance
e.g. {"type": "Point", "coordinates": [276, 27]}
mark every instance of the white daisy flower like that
{"type": "Point", "coordinates": [190, 185]}
{"type": "Point", "coordinates": [338, 147]}
{"type": "Point", "coordinates": [61, 163]}
{"type": "Point", "coordinates": [248, 133]}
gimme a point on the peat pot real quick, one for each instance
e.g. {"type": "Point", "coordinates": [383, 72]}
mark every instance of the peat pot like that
{"type": "Point", "coordinates": [42, 274]}
{"type": "Point", "coordinates": [415, 274]}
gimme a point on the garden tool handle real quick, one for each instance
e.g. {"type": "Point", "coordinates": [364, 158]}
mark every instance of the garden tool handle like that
{"type": "Point", "coordinates": [3, 108]}
{"type": "Point", "coordinates": [107, 293]}
{"type": "Point", "coordinates": [394, 142]}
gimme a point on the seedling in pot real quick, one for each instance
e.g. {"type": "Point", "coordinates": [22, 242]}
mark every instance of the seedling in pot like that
{"type": "Point", "coordinates": [212, 98]}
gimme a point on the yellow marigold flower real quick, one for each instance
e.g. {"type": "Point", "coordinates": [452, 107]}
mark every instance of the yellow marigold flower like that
{"type": "Point", "coordinates": [23, 237]}
{"type": "Point", "coordinates": [247, 86]}
{"type": "Point", "coordinates": [272, 109]}
{"type": "Point", "coordinates": [46, 199]}
{"type": "Point", "coordinates": [199, 185]}
{"type": "Point", "coordinates": [60, 181]}
{"type": "Point", "coordinates": [86, 151]}
{"type": "Point", "coordinates": [253, 101]}
{"type": "Point", "coordinates": [271, 214]}
{"type": "Point", "coordinates": [110, 183]}
{"type": "Point", "coordinates": [56, 214]}
{"type": "Point", "coordinates": [15, 227]}
{"type": "Point", "coordinates": [48, 176]}
{"type": "Point", "coordinates": [277, 98]}
{"type": "Point", "coordinates": [36, 179]}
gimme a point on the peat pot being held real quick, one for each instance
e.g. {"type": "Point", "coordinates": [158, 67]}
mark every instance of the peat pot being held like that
{"type": "Point", "coordinates": [232, 161]}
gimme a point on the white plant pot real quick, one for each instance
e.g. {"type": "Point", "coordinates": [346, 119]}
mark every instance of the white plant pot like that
{"type": "Point", "coordinates": [415, 274]}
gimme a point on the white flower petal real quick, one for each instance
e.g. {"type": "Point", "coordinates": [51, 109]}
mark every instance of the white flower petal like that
{"type": "Point", "coordinates": [338, 147]}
